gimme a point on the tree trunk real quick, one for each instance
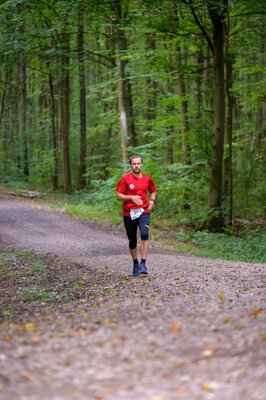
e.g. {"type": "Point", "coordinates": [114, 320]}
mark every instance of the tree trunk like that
{"type": "Point", "coordinates": [121, 88]}
{"type": "Point", "coordinates": [23, 104]}
{"type": "Point", "coordinates": [215, 221]}
{"type": "Point", "coordinates": [262, 135]}
{"type": "Point", "coordinates": [228, 173]}
{"type": "Point", "coordinates": [198, 83]}
{"type": "Point", "coordinates": [228, 179]}
{"type": "Point", "coordinates": [3, 101]}
{"type": "Point", "coordinates": [152, 86]}
{"type": "Point", "coordinates": [64, 110]}
{"type": "Point", "coordinates": [82, 103]}
{"type": "Point", "coordinates": [131, 120]}
{"type": "Point", "coordinates": [183, 111]}
{"type": "Point", "coordinates": [53, 134]}
{"type": "Point", "coordinates": [3, 127]}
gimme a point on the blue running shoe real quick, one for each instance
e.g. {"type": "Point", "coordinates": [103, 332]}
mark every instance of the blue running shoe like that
{"type": "Point", "coordinates": [143, 269]}
{"type": "Point", "coordinates": [136, 269]}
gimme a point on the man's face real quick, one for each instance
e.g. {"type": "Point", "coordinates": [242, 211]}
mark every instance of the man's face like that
{"type": "Point", "coordinates": [136, 165]}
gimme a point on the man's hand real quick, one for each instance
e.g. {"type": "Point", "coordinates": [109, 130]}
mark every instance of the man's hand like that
{"type": "Point", "coordinates": [137, 200]}
{"type": "Point", "coordinates": [151, 205]}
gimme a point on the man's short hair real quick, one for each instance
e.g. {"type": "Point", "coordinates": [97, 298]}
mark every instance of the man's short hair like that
{"type": "Point", "coordinates": [135, 156]}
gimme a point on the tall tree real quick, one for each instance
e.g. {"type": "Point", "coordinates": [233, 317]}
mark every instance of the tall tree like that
{"type": "Point", "coordinates": [217, 14]}
{"type": "Point", "coordinates": [64, 107]}
{"type": "Point", "coordinates": [23, 94]}
{"type": "Point", "coordinates": [152, 85]}
{"type": "Point", "coordinates": [54, 136]}
{"type": "Point", "coordinates": [228, 172]}
{"type": "Point", "coordinates": [119, 45]}
{"type": "Point", "coordinates": [82, 100]}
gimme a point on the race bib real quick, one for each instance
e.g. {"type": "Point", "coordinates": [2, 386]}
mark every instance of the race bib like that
{"type": "Point", "coordinates": [136, 213]}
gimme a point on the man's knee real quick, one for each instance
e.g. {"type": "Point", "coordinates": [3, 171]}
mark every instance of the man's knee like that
{"type": "Point", "coordinates": [145, 236]}
{"type": "Point", "coordinates": [133, 244]}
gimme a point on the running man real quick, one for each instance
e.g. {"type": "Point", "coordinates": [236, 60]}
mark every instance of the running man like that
{"type": "Point", "coordinates": [132, 190]}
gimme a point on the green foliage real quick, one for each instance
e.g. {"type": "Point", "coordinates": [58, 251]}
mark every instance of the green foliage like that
{"type": "Point", "coordinates": [97, 204]}
{"type": "Point", "coordinates": [182, 192]}
{"type": "Point", "coordinates": [40, 269]}
{"type": "Point", "coordinates": [33, 293]}
{"type": "Point", "coordinates": [41, 165]}
{"type": "Point", "coordinates": [248, 245]}
{"type": "Point", "coordinates": [162, 44]}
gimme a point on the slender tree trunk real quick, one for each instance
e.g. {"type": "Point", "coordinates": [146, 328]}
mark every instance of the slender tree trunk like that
{"type": "Point", "coordinates": [40, 121]}
{"type": "Point", "coordinates": [53, 134]}
{"type": "Point", "coordinates": [3, 101]}
{"type": "Point", "coordinates": [130, 112]}
{"type": "Point", "coordinates": [121, 88]}
{"type": "Point", "coordinates": [171, 133]}
{"type": "Point", "coordinates": [82, 103]}
{"type": "Point", "coordinates": [152, 86]}
{"type": "Point", "coordinates": [228, 173]}
{"type": "Point", "coordinates": [64, 110]}
{"type": "Point", "coordinates": [262, 136]}
{"type": "Point", "coordinates": [215, 221]}
{"type": "Point", "coordinates": [3, 127]}
{"type": "Point", "coordinates": [23, 114]}
{"type": "Point", "coordinates": [198, 82]}
{"type": "Point", "coordinates": [14, 120]}
{"type": "Point", "coordinates": [183, 111]}
{"type": "Point", "coordinates": [122, 103]}
{"type": "Point", "coordinates": [23, 102]}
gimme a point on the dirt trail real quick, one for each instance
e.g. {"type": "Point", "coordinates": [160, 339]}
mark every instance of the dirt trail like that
{"type": "Point", "coordinates": [194, 328]}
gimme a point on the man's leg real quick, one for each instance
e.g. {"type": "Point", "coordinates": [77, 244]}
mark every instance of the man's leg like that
{"type": "Point", "coordinates": [144, 248]}
{"type": "Point", "coordinates": [133, 253]}
{"type": "Point", "coordinates": [131, 230]}
{"type": "Point", "coordinates": [144, 225]}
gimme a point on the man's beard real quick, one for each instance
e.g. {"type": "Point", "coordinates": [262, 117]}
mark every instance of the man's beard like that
{"type": "Point", "coordinates": [137, 171]}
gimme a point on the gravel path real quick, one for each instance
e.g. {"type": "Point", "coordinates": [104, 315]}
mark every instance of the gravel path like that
{"type": "Point", "coordinates": [194, 328]}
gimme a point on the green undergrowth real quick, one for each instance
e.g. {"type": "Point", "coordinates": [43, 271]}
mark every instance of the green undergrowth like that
{"type": "Point", "coordinates": [247, 246]}
{"type": "Point", "coordinates": [24, 277]}
{"type": "Point", "coordinates": [244, 242]}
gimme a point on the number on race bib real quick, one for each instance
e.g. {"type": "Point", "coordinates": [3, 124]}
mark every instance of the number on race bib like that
{"type": "Point", "coordinates": [136, 213]}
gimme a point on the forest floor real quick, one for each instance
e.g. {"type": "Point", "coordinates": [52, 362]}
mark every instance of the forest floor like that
{"type": "Point", "coordinates": [77, 325]}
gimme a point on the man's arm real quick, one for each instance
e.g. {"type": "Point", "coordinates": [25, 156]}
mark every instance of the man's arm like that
{"type": "Point", "coordinates": [123, 197]}
{"type": "Point", "coordinates": [152, 200]}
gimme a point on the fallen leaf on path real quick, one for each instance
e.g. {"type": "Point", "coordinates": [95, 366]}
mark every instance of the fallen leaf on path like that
{"type": "Point", "coordinates": [177, 363]}
{"type": "Point", "coordinates": [209, 346]}
{"type": "Point", "coordinates": [256, 312]}
{"type": "Point", "coordinates": [202, 363]}
{"type": "Point", "coordinates": [176, 328]}
{"type": "Point", "coordinates": [182, 389]}
{"type": "Point", "coordinates": [207, 353]}
{"type": "Point", "coordinates": [27, 375]}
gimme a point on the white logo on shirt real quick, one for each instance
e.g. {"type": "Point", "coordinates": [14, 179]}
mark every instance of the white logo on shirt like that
{"type": "Point", "coordinates": [131, 186]}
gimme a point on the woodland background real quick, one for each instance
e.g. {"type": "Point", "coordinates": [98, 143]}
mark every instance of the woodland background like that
{"type": "Point", "coordinates": [84, 84]}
